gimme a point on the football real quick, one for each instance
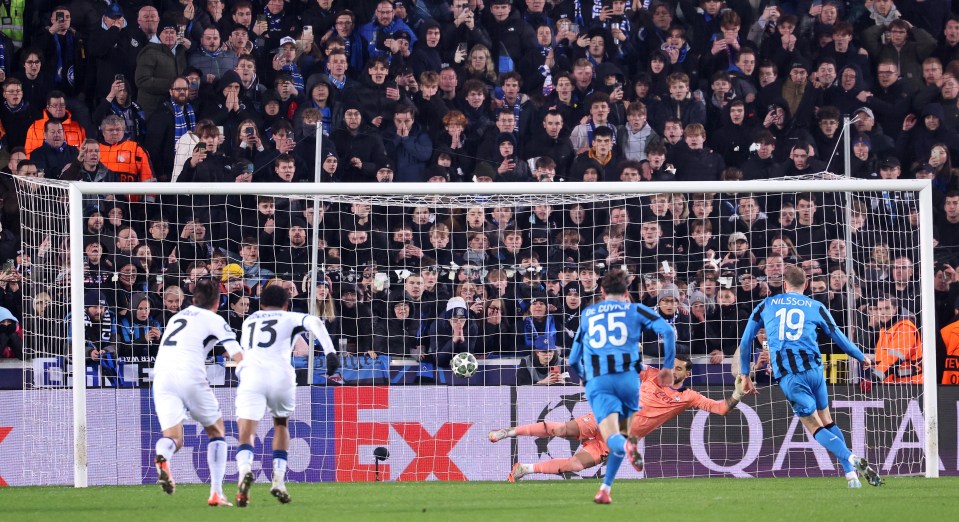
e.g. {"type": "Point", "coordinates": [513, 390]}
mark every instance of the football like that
{"type": "Point", "coordinates": [464, 364]}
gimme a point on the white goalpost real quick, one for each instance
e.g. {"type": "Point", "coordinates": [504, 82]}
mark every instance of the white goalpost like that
{"type": "Point", "coordinates": [433, 424]}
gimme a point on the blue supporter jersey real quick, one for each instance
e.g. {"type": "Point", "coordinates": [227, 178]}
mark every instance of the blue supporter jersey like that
{"type": "Point", "coordinates": [608, 338]}
{"type": "Point", "coordinates": [791, 321]}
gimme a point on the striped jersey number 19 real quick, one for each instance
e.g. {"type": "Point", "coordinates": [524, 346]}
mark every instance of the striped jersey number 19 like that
{"type": "Point", "coordinates": [605, 335]}
{"type": "Point", "coordinates": [791, 321]}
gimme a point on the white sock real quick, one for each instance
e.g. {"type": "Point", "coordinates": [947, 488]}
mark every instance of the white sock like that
{"type": "Point", "coordinates": [511, 432]}
{"type": "Point", "coordinates": [216, 459]}
{"type": "Point", "coordinates": [165, 447]}
{"type": "Point", "coordinates": [604, 487]}
{"type": "Point", "coordinates": [244, 461]}
{"type": "Point", "coordinates": [279, 468]}
{"type": "Point", "coordinates": [852, 475]}
{"type": "Point", "coordinates": [527, 468]}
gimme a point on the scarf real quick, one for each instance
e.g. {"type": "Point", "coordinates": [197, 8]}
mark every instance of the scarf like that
{"type": "Point", "coordinates": [184, 120]}
{"type": "Point", "coordinates": [337, 83]}
{"type": "Point", "coordinates": [274, 22]}
{"type": "Point", "coordinates": [22, 106]}
{"type": "Point", "coordinates": [295, 73]}
{"type": "Point", "coordinates": [884, 20]}
{"type": "Point", "coordinates": [64, 59]}
{"type": "Point", "coordinates": [3, 59]}
{"type": "Point", "coordinates": [547, 80]}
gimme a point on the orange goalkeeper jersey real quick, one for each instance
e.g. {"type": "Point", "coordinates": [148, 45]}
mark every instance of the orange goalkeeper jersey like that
{"type": "Point", "coordinates": [660, 404]}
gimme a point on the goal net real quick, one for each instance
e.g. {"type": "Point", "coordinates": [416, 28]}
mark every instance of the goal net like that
{"type": "Point", "coordinates": [405, 281]}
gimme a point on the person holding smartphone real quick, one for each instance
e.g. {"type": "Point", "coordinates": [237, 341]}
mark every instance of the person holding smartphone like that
{"type": "Point", "coordinates": [67, 51]}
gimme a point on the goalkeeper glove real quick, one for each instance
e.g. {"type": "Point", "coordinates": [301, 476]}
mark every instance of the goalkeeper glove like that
{"type": "Point", "coordinates": [332, 363]}
{"type": "Point", "coordinates": [738, 391]}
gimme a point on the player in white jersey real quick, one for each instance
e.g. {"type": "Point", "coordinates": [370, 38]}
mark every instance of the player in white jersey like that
{"type": "Point", "coordinates": [267, 380]}
{"type": "Point", "coordinates": [180, 385]}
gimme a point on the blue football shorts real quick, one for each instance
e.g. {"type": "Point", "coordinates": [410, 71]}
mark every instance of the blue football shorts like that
{"type": "Point", "coordinates": [806, 391]}
{"type": "Point", "coordinates": [613, 393]}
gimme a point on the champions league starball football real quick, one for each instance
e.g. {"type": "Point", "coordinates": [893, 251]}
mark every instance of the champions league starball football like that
{"type": "Point", "coordinates": [464, 364]}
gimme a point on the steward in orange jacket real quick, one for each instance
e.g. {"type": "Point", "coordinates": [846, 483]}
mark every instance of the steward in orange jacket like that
{"type": "Point", "coordinates": [950, 337]}
{"type": "Point", "coordinates": [899, 353]}
{"type": "Point", "coordinates": [57, 110]}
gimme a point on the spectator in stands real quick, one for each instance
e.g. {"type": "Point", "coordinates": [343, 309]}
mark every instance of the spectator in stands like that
{"type": "Point", "coordinates": [211, 57]}
{"type": "Point", "coordinates": [451, 333]}
{"type": "Point", "coordinates": [16, 113]}
{"type": "Point", "coordinates": [100, 331]}
{"type": "Point", "coordinates": [360, 149]}
{"type": "Point", "coordinates": [119, 102]}
{"type": "Point", "coordinates": [139, 332]}
{"type": "Point", "coordinates": [114, 45]}
{"type": "Point", "coordinates": [397, 334]}
{"type": "Point", "coordinates": [11, 278]}
{"type": "Point", "coordinates": [56, 111]}
{"type": "Point", "coordinates": [87, 166]}
{"type": "Point", "coordinates": [946, 230]}
{"type": "Point", "coordinates": [894, 43]}
{"type": "Point", "coordinates": [601, 155]}
{"type": "Point", "coordinates": [54, 154]}
{"type": "Point", "coordinates": [680, 104]}
{"type": "Point", "coordinates": [35, 85]}
{"type": "Point", "coordinates": [669, 307]}
{"type": "Point", "coordinates": [899, 346]}
{"type": "Point", "coordinates": [538, 321]}
{"type": "Point", "coordinates": [63, 45]}
{"type": "Point", "coordinates": [159, 65]}
{"type": "Point", "coordinates": [543, 366]}
{"type": "Point", "coordinates": [693, 161]}
{"type": "Point", "coordinates": [171, 120]}
{"type": "Point", "coordinates": [497, 331]}
{"type": "Point", "coordinates": [253, 270]}
{"type": "Point", "coordinates": [407, 145]}
{"type": "Point", "coordinates": [11, 336]}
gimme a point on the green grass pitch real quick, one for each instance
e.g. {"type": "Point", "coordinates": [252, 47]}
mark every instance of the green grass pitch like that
{"type": "Point", "coordinates": [674, 499]}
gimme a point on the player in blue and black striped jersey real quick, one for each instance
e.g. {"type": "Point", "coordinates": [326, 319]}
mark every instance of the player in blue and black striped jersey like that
{"type": "Point", "coordinates": [606, 354]}
{"type": "Point", "coordinates": [791, 321]}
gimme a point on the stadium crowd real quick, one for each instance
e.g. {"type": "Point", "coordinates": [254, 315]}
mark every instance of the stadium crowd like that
{"type": "Point", "coordinates": [464, 91]}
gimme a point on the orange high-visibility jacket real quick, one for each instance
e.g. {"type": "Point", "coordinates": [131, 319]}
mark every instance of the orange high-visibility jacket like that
{"type": "Point", "coordinates": [899, 353]}
{"type": "Point", "coordinates": [950, 337]}
{"type": "Point", "coordinates": [72, 132]}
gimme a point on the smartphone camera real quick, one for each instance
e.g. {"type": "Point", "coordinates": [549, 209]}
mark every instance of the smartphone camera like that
{"type": "Point", "coordinates": [249, 131]}
{"type": "Point", "coordinates": [118, 78]}
{"type": "Point", "coordinates": [60, 17]}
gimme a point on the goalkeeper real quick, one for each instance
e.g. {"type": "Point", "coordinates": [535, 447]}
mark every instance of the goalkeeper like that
{"type": "Point", "coordinates": [659, 404]}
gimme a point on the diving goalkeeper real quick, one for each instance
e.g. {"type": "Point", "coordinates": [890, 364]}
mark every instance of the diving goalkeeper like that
{"type": "Point", "coordinates": [659, 404]}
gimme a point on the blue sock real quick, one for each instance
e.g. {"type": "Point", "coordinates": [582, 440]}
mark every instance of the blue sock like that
{"type": "Point", "coordinates": [835, 445]}
{"type": "Point", "coordinates": [846, 465]}
{"type": "Point", "coordinates": [617, 452]}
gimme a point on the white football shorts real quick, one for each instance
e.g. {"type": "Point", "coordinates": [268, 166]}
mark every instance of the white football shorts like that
{"type": "Point", "coordinates": [176, 401]}
{"type": "Point", "coordinates": [259, 391]}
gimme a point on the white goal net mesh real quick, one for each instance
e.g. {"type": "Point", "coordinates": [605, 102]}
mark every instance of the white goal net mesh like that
{"type": "Point", "coordinates": [390, 274]}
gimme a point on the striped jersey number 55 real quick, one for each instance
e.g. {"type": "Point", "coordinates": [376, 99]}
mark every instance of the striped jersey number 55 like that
{"type": "Point", "coordinates": [607, 330]}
